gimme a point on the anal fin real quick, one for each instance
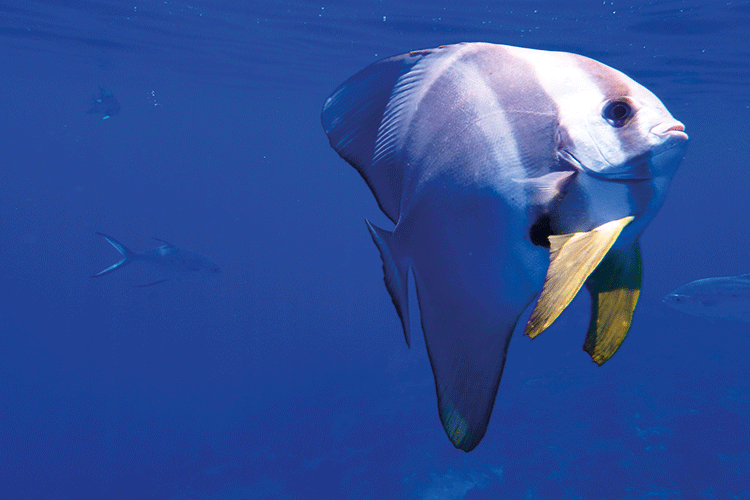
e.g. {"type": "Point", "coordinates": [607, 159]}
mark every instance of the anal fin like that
{"type": "Point", "coordinates": [573, 257]}
{"type": "Point", "coordinates": [614, 287]}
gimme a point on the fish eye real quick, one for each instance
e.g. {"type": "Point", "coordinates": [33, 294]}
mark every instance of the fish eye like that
{"type": "Point", "coordinates": [617, 112]}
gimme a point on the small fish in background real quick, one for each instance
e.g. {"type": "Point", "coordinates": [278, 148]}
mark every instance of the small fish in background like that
{"type": "Point", "coordinates": [509, 174]}
{"type": "Point", "coordinates": [105, 103]}
{"type": "Point", "coordinates": [714, 298]}
{"type": "Point", "coordinates": [172, 263]}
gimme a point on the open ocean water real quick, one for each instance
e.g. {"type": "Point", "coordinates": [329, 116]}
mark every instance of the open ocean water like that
{"type": "Point", "coordinates": [287, 376]}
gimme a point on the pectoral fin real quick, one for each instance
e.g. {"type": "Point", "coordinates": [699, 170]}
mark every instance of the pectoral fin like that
{"type": "Point", "coordinates": [614, 288]}
{"type": "Point", "coordinates": [573, 257]}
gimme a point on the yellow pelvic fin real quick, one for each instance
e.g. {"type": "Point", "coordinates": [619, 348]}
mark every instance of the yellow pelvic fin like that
{"type": "Point", "coordinates": [614, 287]}
{"type": "Point", "coordinates": [573, 257]}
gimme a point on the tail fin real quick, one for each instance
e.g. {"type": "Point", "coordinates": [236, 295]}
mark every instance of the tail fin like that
{"type": "Point", "coordinates": [127, 254]}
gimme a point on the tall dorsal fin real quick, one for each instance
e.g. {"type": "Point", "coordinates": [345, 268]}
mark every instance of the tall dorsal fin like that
{"type": "Point", "coordinates": [354, 117]}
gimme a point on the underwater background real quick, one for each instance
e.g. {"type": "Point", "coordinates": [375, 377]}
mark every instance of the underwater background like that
{"type": "Point", "coordinates": [286, 375]}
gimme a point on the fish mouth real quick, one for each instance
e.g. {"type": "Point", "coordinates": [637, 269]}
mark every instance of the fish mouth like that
{"type": "Point", "coordinates": [671, 129]}
{"type": "Point", "coordinates": [672, 135]}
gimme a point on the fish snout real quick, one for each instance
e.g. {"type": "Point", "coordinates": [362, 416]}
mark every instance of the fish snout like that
{"type": "Point", "coordinates": [671, 129]}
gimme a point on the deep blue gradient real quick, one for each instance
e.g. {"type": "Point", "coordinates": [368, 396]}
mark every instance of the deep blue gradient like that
{"type": "Point", "coordinates": [287, 375]}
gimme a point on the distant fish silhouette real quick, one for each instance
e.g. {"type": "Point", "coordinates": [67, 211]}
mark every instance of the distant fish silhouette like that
{"type": "Point", "coordinates": [173, 263]}
{"type": "Point", "coordinates": [720, 298]}
{"type": "Point", "coordinates": [105, 103]}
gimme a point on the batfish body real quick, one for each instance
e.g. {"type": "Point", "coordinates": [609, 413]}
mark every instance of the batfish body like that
{"type": "Point", "coordinates": [714, 298]}
{"type": "Point", "coordinates": [507, 172]}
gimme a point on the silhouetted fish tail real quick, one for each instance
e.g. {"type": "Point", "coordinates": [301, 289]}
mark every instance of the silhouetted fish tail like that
{"type": "Point", "coordinates": [128, 255]}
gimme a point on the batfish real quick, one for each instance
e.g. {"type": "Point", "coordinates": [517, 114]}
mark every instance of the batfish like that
{"type": "Point", "coordinates": [714, 298]}
{"type": "Point", "coordinates": [171, 262]}
{"type": "Point", "coordinates": [510, 175]}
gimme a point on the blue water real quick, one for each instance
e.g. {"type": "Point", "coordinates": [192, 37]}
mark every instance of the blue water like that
{"type": "Point", "coordinates": [287, 375]}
